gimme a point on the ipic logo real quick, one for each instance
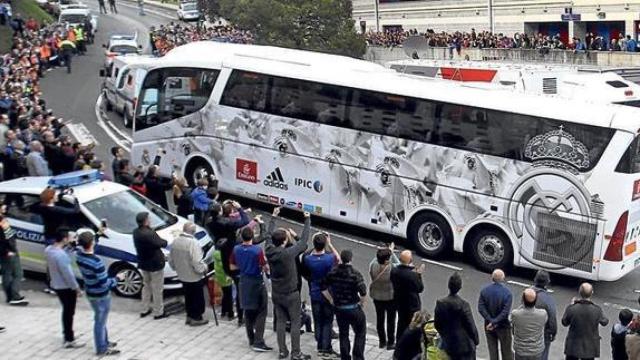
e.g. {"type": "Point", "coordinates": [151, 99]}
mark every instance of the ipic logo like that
{"type": "Point", "coordinates": [276, 180]}
{"type": "Point", "coordinates": [315, 185]}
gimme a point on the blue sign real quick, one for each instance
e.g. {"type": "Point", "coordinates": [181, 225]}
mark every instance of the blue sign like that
{"type": "Point", "coordinates": [570, 17]}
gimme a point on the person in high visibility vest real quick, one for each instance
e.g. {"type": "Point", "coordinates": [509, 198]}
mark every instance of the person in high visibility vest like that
{"type": "Point", "coordinates": [80, 43]}
{"type": "Point", "coordinates": [67, 48]}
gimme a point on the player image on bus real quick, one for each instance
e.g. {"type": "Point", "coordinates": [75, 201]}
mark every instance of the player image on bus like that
{"type": "Point", "coordinates": [507, 178]}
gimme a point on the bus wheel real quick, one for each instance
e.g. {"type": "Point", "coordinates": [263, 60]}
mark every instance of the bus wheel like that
{"type": "Point", "coordinates": [430, 234]}
{"type": "Point", "coordinates": [491, 249]}
{"type": "Point", "coordinates": [131, 286]}
{"type": "Point", "coordinates": [197, 169]}
{"type": "Point", "coordinates": [126, 119]}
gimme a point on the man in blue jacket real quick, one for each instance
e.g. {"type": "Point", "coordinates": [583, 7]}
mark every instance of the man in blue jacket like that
{"type": "Point", "coordinates": [202, 203]}
{"type": "Point", "coordinates": [545, 301]}
{"type": "Point", "coordinates": [495, 305]}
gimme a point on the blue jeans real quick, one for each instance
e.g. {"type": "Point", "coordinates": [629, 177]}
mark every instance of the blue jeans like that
{"type": "Point", "coordinates": [323, 323]}
{"type": "Point", "coordinates": [101, 309]}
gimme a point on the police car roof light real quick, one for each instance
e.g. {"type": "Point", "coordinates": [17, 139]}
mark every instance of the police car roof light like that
{"type": "Point", "coordinates": [74, 178]}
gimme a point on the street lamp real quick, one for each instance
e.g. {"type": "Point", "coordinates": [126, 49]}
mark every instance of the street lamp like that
{"type": "Point", "coordinates": [377, 16]}
{"type": "Point", "coordinates": [490, 13]}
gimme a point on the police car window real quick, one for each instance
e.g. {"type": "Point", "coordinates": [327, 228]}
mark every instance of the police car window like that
{"type": "Point", "coordinates": [121, 209]}
{"type": "Point", "coordinates": [22, 207]}
{"type": "Point", "coordinates": [124, 77]}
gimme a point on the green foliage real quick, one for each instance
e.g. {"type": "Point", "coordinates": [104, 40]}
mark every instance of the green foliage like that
{"type": "Point", "coordinates": [27, 8]}
{"type": "Point", "coordinates": [318, 25]}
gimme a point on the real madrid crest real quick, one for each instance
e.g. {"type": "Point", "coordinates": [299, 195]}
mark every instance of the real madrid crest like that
{"type": "Point", "coordinates": [549, 209]}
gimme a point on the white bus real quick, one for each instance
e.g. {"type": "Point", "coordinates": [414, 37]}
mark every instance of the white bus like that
{"type": "Point", "coordinates": [506, 178]}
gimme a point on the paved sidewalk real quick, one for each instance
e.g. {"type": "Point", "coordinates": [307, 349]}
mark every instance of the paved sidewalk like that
{"type": "Point", "coordinates": [34, 333]}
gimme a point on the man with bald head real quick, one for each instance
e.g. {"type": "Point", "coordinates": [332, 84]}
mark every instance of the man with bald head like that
{"type": "Point", "coordinates": [494, 305]}
{"type": "Point", "coordinates": [406, 280]}
{"type": "Point", "coordinates": [528, 328]}
{"type": "Point", "coordinates": [583, 317]}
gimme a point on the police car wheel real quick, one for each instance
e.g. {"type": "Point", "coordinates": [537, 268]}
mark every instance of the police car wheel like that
{"type": "Point", "coordinates": [131, 285]}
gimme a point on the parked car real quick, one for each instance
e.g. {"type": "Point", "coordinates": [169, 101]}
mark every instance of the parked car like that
{"type": "Point", "coordinates": [189, 11]}
{"type": "Point", "coordinates": [100, 202]}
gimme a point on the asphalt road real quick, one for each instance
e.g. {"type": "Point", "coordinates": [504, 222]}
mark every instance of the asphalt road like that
{"type": "Point", "coordinates": [74, 97]}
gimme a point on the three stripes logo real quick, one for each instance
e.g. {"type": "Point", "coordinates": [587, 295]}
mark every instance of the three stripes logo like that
{"type": "Point", "coordinates": [276, 180]}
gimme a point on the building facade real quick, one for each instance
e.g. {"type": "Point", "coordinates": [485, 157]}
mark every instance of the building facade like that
{"type": "Point", "coordinates": [607, 18]}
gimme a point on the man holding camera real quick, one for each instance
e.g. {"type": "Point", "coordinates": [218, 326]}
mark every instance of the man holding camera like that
{"type": "Point", "coordinates": [63, 282]}
{"type": "Point", "coordinates": [284, 281]}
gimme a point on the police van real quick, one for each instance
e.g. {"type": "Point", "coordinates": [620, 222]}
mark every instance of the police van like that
{"type": "Point", "coordinates": [115, 204]}
{"type": "Point", "coordinates": [122, 82]}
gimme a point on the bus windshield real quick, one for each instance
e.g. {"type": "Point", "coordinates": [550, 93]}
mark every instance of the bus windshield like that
{"type": "Point", "coordinates": [171, 93]}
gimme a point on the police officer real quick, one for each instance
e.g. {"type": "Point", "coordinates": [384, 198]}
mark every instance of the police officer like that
{"type": "Point", "coordinates": [67, 47]}
{"type": "Point", "coordinates": [80, 40]}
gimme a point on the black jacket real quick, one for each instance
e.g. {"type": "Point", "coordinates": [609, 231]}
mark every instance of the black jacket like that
{"type": "Point", "coordinates": [345, 284]}
{"type": "Point", "coordinates": [7, 245]}
{"type": "Point", "coordinates": [583, 339]}
{"type": "Point", "coordinates": [149, 248]}
{"type": "Point", "coordinates": [57, 216]}
{"type": "Point", "coordinates": [184, 205]}
{"type": "Point", "coordinates": [407, 286]}
{"type": "Point", "coordinates": [282, 260]}
{"type": "Point", "coordinates": [156, 190]}
{"type": "Point", "coordinates": [454, 321]}
{"type": "Point", "coordinates": [409, 344]}
{"type": "Point", "coordinates": [15, 166]}
{"type": "Point", "coordinates": [223, 230]}
{"type": "Point", "coordinates": [124, 178]}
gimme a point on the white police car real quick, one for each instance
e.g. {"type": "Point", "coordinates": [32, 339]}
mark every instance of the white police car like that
{"type": "Point", "coordinates": [115, 203]}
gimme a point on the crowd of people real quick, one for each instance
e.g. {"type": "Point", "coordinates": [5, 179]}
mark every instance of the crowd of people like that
{"type": "Point", "coordinates": [487, 40]}
{"type": "Point", "coordinates": [166, 37]}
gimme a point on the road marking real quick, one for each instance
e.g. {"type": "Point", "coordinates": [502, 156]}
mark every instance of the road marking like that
{"type": "Point", "coordinates": [120, 132]}
{"type": "Point", "coordinates": [525, 285]}
{"type": "Point", "coordinates": [147, 10]}
{"type": "Point", "coordinates": [106, 128]}
{"type": "Point", "coordinates": [620, 307]}
{"type": "Point", "coordinates": [363, 243]}
{"type": "Point", "coordinates": [82, 134]}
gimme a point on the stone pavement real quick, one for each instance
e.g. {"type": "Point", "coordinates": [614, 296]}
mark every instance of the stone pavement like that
{"type": "Point", "coordinates": [35, 333]}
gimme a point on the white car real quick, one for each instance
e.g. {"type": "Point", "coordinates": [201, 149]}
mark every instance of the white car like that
{"type": "Point", "coordinates": [76, 17]}
{"type": "Point", "coordinates": [189, 11]}
{"type": "Point", "coordinates": [120, 44]}
{"type": "Point", "coordinates": [99, 200]}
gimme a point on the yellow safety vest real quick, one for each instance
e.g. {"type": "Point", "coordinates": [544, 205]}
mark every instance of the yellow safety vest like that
{"type": "Point", "coordinates": [79, 34]}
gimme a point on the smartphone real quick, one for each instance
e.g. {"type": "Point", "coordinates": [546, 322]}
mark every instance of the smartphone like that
{"type": "Point", "coordinates": [103, 223]}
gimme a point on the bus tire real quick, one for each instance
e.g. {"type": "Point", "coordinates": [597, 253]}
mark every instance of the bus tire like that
{"type": "Point", "coordinates": [430, 234]}
{"type": "Point", "coordinates": [491, 249]}
{"type": "Point", "coordinates": [126, 119]}
{"type": "Point", "coordinates": [197, 169]}
{"type": "Point", "coordinates": [131, 286]}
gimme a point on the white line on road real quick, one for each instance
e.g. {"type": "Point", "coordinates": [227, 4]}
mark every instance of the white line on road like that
{"type": "Point", "coordinates": [524, 285]}
{"type": "Point", "coordinates": [363, 243]}
{"type": "Point", "coordinates": [106, 128]}
{"type": "Point", "coordinates": [147, 10]}
{"type": "Point", "coordinates": [620, 307]}
{"type": "Point", "coordinates": [82, 134]}
{"type": "Point", "coordinates": [120, 132]}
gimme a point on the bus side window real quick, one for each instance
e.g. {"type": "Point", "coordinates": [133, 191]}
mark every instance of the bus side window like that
{"type": "Point", "coordinates": [630, 161]}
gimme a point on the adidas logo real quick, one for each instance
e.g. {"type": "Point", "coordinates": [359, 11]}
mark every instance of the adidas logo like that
{"type": "Point", "coordinates": [276, 180]}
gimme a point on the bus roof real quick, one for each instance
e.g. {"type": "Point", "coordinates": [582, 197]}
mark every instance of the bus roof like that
{"type": "Point", "coordinates": [345, 71]}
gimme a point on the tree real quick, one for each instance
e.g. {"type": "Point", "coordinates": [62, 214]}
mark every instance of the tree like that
{"type": "Point", "coordinates": [318, 25]}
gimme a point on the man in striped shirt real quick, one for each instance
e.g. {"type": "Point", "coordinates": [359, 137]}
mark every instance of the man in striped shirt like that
{"type": "Point", "coordinates": [98, 285]}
